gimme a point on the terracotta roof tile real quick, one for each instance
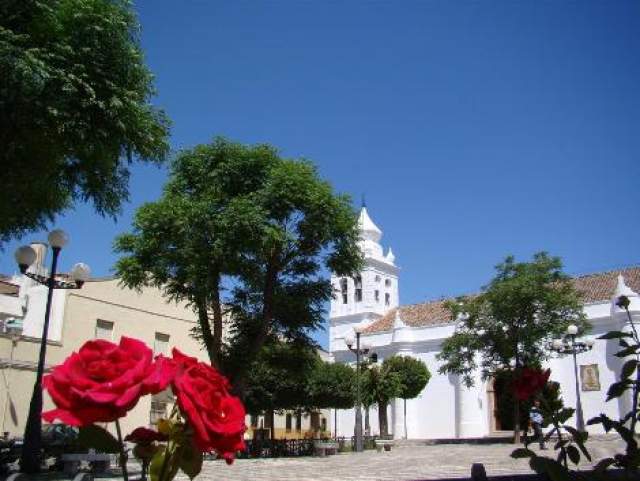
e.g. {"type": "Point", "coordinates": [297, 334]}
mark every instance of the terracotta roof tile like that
{"type": "Point", "coordinates": [593, 287]}
{"type": "Point", "coordinates": [602, 285]}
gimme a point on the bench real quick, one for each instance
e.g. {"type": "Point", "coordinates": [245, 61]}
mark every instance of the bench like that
{"type": "Point", "coordinates": [385, 444]}
{"type": "Point", "coordinates": [99, 462]}
{"type": "Point", "coordinates": [322, 448]}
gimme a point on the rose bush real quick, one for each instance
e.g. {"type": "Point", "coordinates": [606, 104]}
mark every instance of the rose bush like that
{"type": "Point", "coordinates": [216, 417]}
{"type": "Point", "coordinates": [103, 380]}
{"type": "Point", "coordinates": [528, 382]}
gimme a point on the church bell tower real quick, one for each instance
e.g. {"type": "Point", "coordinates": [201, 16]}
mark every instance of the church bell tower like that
{"type": "Point", "coordinates": [370, 294]}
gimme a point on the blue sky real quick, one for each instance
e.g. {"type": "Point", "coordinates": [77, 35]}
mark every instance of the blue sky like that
{"type": "Point", "coordinates": [475, 129]}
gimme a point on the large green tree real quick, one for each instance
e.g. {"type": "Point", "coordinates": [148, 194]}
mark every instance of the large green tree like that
{"type": "Point", "coordinates": [74, 108]}
{"type": "Point", "coordinates": [508, 325]}
{"type": "Point", "coordinates": [414, 376]}
{"type": "Point", "coordinates": [278, 378]}
{"type": "Point", "coordinates": [240, 231]}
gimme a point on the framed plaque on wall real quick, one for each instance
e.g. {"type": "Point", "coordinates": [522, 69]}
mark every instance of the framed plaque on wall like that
{"type": "Point", "coordinates": [590, 377]}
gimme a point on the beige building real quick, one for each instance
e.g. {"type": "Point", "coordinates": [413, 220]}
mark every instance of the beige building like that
{"type": "Point", "coordinates": [101, 309]}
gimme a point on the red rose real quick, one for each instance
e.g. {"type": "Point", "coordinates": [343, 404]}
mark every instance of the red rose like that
{"type": "Point", "coordinates": [102, 381]}
{"type": "Point", "coordinates": [528, 382]}
{"type": "Point", "coordinates": [216, 417]}
{"type": "Point", "coordinates": [144, 436]}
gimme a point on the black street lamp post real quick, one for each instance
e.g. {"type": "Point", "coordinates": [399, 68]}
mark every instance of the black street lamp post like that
{"type": "Point", "coordinates": [30, 457]}
{"type": "Point", "coordinates": [574, 347]}
{"type": "Point", "coordinates": [360, 351]}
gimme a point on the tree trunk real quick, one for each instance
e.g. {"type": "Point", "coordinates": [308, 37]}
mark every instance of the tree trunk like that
{"type": "Point", "coordinates": [367, 426]}
{"type": "Point", "coordinates": [268, 296]}
{"type": "Point", "coordinates": [516, 407]}
{"type": "Point", "coordinates": [405, 418]}
{"type": "Point", "coordinates": [217, 318]}
{"type": "Point", "coordinates": [205, 329]}
{"type": "Point", "coordinates": [382, 419]}
{"type": "Point", "coordinates": [516, 422]}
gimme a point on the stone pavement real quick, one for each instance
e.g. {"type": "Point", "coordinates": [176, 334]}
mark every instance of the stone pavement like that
{"type": "Point", "coordinates": [401, 464]}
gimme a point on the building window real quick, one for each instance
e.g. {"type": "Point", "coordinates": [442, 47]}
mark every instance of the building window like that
{"type": "Point", "coordinates": [377, 278]}
{"type": "Point", "coordinates": [288, 423]}
{"type": "Point", "coordinates": [377, 293]}
{"type": "Point", "coordinates": [387, 299]}
{"type": "Point", "coordinates": [253, 420]}
{"type": "Point", "coordinates": [104, 330]}
{"type": "Point", "coordinates": [358, 293]}
{"type": "Point", "coordinates": [344, 287]}
{"type": "Point", "coordinates": [299, 422]}
{"type": "Point", "coordinates": [158, 411]}
{"type": "Point", "coordinates": [324, 424]}
{"type": "Point", "coordinates": [387, 282]}
{"type": "Point", "coordinates": [161, 344]}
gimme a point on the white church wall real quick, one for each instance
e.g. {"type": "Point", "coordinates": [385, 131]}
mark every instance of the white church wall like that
{"type": "Point", "coordinates": [447, 409]}
{"type": "Point", "coordinates": [433, 413]}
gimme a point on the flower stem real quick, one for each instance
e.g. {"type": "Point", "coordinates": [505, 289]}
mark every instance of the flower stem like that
{"type": "Point", "coordinates": [123, 453]}
{"type": "Point", "coordinates": [636, 385]}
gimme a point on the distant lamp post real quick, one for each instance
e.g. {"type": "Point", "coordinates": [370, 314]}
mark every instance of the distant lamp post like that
{"type": "Point", "coordinates": [359, 350]}
{"type": "Point", "coordinates": [569, 345]}
{"type": "Point", "coordinates": [25, 256]}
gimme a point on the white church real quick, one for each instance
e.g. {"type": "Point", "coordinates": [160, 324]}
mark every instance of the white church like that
{"type": "Point", "coordinates": [446, 409]}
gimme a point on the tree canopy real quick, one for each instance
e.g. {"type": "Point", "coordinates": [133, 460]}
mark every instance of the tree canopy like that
{"type": "Point", "coordinates": [414, 375]}
{"type": "Point", "coordinates": [331, 386]}
{"type": "Point", "coordinates": [74, 108]}
{"type": "Point", "coordinates": [243, 233]}
{"type": "Point", "coordinates": [279, 377]}
{"type": "Point", "coordinates": [508, 325]}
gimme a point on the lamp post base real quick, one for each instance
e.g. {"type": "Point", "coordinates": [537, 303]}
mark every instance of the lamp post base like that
{"type": "Point", "coordinates": [358, 433]}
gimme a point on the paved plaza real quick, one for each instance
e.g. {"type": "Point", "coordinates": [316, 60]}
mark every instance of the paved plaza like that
{"type": "Point", "coordinates": [401, 464]}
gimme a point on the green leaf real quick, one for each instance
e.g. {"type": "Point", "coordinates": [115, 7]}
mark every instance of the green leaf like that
{"type": "Point", "coordinates": [604, 464]}
{"type": "Point", "coordinates": [627, 351]}
{"type": "Point", "coordinates": [573, 453]}
{"type": "Point", "coordinates": [578, 436]}
{"type": "Point", "coordinates": [522, 453]}
{"type": "Point", "coordinates": [550, 467]}
{"type": "Point", "coordinates": [629, 368]}
{"type": "Point", "coordinates": [616, 390]}
{"type": "Point", "coordinates": [95, 437]}
{"type": "Point", "coordinates": [615, 335]}
{"type": "Point", "coordinates": [560, 444]}
{"type": "Point", "coordinates": [156, 467]}
{"type": "Point", "coordinates": [191, 460]}
{"type": "Point", "coordinates": [565, 414]}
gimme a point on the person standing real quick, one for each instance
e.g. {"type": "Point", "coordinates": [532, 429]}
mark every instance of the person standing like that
{"type": "Point", "coordinates": [535, 417]}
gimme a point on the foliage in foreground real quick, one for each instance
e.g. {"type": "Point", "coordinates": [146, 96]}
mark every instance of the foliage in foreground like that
{"type": "Point", "coordinates": [74, 108]}
{"type": "Point", "coordinates": [629, 343]}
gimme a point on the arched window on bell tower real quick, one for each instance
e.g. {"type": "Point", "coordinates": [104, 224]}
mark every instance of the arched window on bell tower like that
{"type": "Point", "coordinates": [358, 291]}
{"type": "Point", "coordinates": [344, 288]}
